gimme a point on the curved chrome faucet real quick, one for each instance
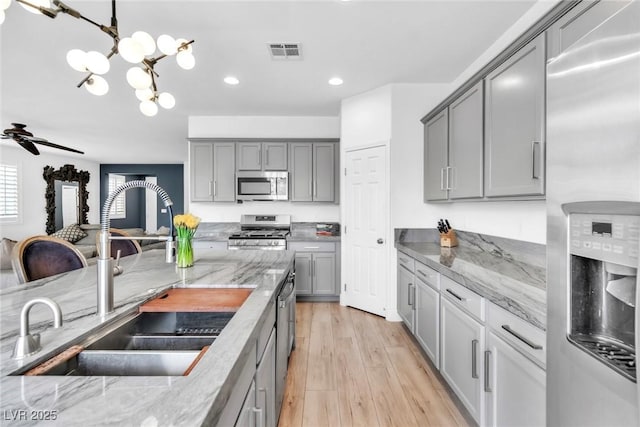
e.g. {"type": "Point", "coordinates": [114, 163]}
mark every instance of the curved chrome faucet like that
{"type": "Point", "coordinates": [105, 261]}
{"type": "Point", "coordinates": [28, 344]}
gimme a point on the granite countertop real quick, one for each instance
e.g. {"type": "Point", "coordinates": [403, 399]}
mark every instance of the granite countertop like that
{"type": "Point", "coordinates": [194, 400]}
{"type": "Point", "coordinates": [508, 275]}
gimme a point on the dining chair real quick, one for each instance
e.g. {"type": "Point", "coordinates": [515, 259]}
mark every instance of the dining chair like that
{"type": "Point", "coordinates": [42, 256]}
{"type": "Point", "coordinates": [126, 247]}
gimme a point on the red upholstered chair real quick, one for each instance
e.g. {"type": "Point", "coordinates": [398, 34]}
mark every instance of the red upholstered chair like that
{"type": "Point", "coordinates": [43, 256]}
{"type": "Point", "coordinates": [126, 247]}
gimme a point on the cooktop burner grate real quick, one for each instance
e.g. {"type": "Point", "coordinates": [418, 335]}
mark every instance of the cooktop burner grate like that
{"type": "Point", "coordinates": [618, 356]}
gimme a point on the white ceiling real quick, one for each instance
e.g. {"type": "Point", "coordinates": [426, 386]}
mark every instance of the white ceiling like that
{"type": "Point", "coordinates": [368, 43]}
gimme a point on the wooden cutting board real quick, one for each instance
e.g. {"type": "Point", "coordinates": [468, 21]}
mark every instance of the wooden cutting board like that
{"type": "Point", "coordinates": [224, 299]}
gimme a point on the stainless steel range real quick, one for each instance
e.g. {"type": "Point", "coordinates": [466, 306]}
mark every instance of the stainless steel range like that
{"type": "Point", "coordinates": [268, 232]}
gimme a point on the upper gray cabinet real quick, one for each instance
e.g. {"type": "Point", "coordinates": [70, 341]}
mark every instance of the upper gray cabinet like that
{"type": "Point", "coordinates": [514, 124]}
{"type": "Point", "coordinates": [266, 156]}
{"type": "Point", "coordinates": [436, 137]}
{"type": "Point", "coordinates": [212, 171]}
{"type": "Point", "coordinates": [453, 149]}
{"type": "Point", "coordinates": [312, 172]}
{"type": "Point", "coordinates": [466, 126]}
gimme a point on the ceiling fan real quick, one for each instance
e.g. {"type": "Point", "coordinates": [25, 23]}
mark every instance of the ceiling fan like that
{"type": "Point", "coordinates": [26, 139]}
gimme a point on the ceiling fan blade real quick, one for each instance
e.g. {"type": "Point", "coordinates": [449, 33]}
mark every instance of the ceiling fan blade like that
{"type": "Point", "coordinates": [43, 141]}
{"type": "Point", "coordinates": [27, 145]}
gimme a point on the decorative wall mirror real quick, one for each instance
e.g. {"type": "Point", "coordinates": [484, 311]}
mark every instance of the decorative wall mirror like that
{"type": "Point", "coordinates": [62, 186]}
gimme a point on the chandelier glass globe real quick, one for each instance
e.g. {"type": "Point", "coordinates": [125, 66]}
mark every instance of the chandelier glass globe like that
{"type": "Point", "coordinates": [148, 108]}
{"type": "Point", "coordinates": [138, 78]}
{"type": "Point", "coordinates": [97, 85]}
{"type": "Point", "coordinates": [131, 50]}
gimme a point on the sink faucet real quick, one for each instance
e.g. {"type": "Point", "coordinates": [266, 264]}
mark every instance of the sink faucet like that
{"type": "Point", "coordinates": [105, 261]}
{"type": "Point", "coordinates": [28, 344]}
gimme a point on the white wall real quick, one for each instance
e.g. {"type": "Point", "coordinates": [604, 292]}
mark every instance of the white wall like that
{"type": "Point", "coordinates": [513, 219]}
{"type": "Point", "coordinates": [33, 186]}
{"type": "Point", "coordinates": [262, 127]}
{"type": "Point", "coordinates": [366, 119]}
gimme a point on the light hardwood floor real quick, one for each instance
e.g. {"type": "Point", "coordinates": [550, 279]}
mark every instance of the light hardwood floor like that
{"type": "Point", "coordinates": [352, 368]}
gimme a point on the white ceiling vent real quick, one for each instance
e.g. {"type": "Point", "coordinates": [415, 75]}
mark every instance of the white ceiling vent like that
{"type": "Point", "coordinates": [285, 50]}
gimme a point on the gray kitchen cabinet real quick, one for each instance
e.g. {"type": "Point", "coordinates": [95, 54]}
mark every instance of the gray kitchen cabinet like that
{"type": "Point", "coordinates": [266, 385]}
{"type": "Point", "coordinates": [303, 273]}
{"type": "Point", "coordinates": [316, 268]}
{"type": "Point", "coordinates": [406, 297]}
{"type": "Point", "coordinates": [514, 124]}
{"type": "Point", "coordinates": [248, 412]}
{"type": "Point", "coordinates": [212, 172]}
{"type": "Point", "coordinates": [312, 172]}
{"type": "Point", "coordinates": [323, 172]}
{"type": "Point", "coordinates": [436, 159]}
{"type": "Point", "coordinates": [514, 386]}
{"type": "Point", "coordinates": [301, 168]}
{"type": "Point", "coordinates": [427, 311]}
{"type": "Point", "coordinates": [262, 156]}
{"type": "Point", "coordinates": [201, 171]}
{"type": "Point", "coordinates": [466, 145]}
{"type": "Point", "coordinates": [462, 341]}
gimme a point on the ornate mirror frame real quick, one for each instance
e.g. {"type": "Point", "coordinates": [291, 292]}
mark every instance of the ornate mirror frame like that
{"type": "Point", "coordinates": [65, 173]}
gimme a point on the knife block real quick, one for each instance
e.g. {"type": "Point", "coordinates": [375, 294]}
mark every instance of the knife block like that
{"type": "Point", "coordinates": [448, 239]}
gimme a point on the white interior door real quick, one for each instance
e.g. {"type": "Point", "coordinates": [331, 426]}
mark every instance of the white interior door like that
{"type": "Point", "coordinates": [366, 212]}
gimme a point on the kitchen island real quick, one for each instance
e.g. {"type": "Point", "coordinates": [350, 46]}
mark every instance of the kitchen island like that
{"type": "Point", "coordinates": [193, 400]}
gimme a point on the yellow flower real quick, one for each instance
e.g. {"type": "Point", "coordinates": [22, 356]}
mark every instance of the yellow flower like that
{"type": "Point", "coordinates": [189, 221]}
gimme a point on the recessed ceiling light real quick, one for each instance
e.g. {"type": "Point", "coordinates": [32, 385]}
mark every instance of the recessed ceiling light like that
{"type": "Point", "coordinates": [335, 81]}
{"type": "Point", "coordinates": [231, 80]}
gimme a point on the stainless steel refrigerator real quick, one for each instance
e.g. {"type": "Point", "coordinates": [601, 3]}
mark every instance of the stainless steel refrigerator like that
{"type": "Point", "coordinates": [593, 217]}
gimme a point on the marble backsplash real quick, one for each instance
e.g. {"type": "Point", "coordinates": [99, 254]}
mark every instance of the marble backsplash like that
{"type": "Point", "coordinates": [534, 254]}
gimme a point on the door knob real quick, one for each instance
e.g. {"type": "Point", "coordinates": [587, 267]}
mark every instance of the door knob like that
{"type": "Point", "coordinates": [380, 241]}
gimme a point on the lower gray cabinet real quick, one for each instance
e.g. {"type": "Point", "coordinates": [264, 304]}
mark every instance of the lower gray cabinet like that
{"type": "Point", "coordinates": [427, 320]}
{"type": "Point", "coordinates": [316, 268]}
{"type": "Point", "coordinates": [266, 385]}
{"type": "Point", "coordinates": [249, 412]}
{"type": "Point", "coordinates": [406, 296]}
{"type": "Point", "coordinates": [461, 365]}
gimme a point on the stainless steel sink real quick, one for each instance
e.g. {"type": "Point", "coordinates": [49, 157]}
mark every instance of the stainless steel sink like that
{"type": "Point", "coordinates": [146, 344]}
{"type": "Point", "coordinates": [165, 331]}
{"type": "Point", "coordinates": [126, 363]}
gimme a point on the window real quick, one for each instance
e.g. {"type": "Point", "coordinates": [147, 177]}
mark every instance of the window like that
{"type": "Point", "coordinates": [9, 202]}
{"type": "Point", "coordinates": [119, 205]}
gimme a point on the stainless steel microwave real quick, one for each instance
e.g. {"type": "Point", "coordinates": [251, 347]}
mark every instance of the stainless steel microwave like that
{"type": "Point", "coordinates": [262, 185]}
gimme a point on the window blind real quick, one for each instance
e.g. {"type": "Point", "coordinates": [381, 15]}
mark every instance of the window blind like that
{"type": "Point", "coordinates": [119, 206]}
{"type": "Point", "coordinates": [9, 192]}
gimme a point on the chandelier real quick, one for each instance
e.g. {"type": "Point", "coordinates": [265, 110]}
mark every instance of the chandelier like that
{"type": "Point", "coordinates": [137, 49]}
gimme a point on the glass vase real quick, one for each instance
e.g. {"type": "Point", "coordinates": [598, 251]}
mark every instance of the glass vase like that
{"type": "Point", "coordinates": [184, 255]}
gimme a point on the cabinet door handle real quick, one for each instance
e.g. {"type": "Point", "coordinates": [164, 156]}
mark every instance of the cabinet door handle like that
{"type": "Point", "coordinates": [409, 294]}
{"type": "Point", "coordinates": [312, 247]}
{"type": "Point", "coordinates": [534, 175]}
{"type": "Point", "coordinates": [474, 359]}
{"type": "Point", "coordinates": [521, 338]}
{"type": "Point", "coordinates": [210, 183]}
{"type": "Point", "coordinates": [257, 413]}
{"type": "Point", "coordinates": [423, 274]}
{"type": "Point", "coordinates": [456, 296]}
{"type": "Point", "coordinates": [315, 188]}
{"type": "Point", "coordinates": [215, 188]}
{"type": "Point", "coordinates": [310, 268]}
{"type": "Point", "coordinates": [487, 365]}
{"type": "Point", "coordinates": [266, 408]}
{"type": "Point", "coordinates": [442, 179]}
{"type": "Point", "coordinates": [314, 267]}
{"type": "Point", "coordinates": [449, 168]}
{"type": "Point", "coordinates": [267, 162]}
